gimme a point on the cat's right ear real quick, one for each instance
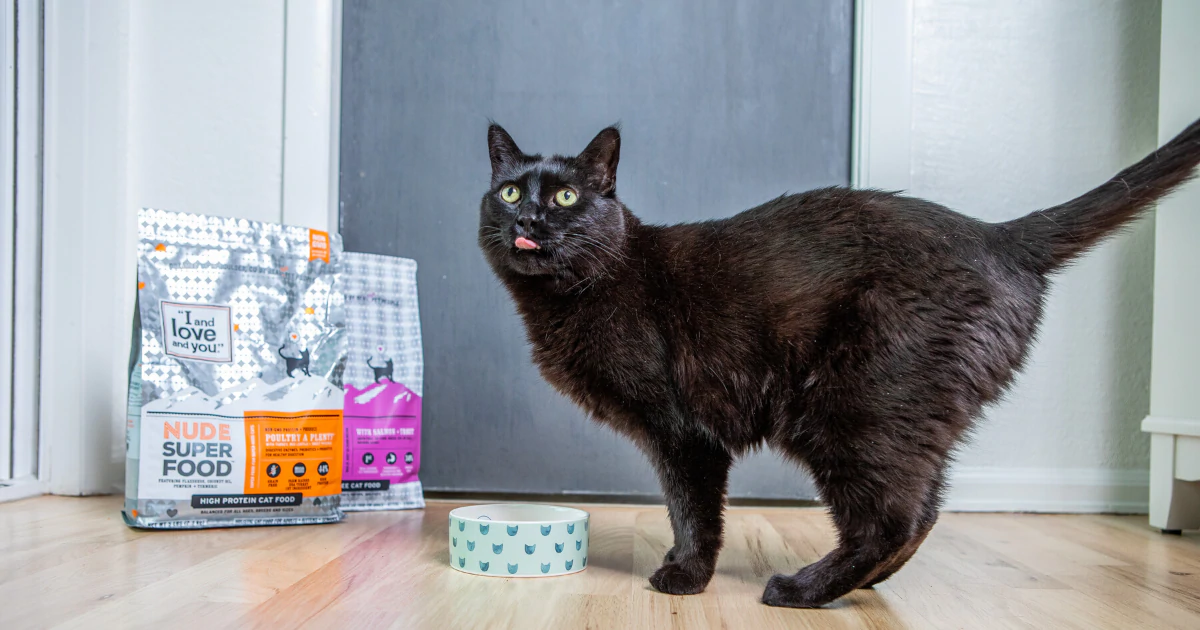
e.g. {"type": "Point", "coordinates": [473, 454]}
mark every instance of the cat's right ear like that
{"type": "Point", "coordinates": [501, 148]}
{"type": "Point", "coordinates": [600, 159]}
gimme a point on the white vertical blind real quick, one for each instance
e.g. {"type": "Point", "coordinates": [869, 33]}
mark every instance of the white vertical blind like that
{"type": "Point", "coordinates": [7, 237]}
{"type": "Point", "coordinates": [27, 233]}
{"type": "Point", "coordinates": [20, 240]}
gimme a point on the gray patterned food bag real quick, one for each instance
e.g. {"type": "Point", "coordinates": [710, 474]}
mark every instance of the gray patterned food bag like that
{"type": "Point", "coordinates": [235, 399]}
{"type": "Point", "coordinates": [383, 384]}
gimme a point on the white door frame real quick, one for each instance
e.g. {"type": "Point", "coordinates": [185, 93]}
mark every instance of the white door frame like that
{"type": "Point", "coordinates": [87, 255]}
{"type": "Point", "coordinates": [312, 113]}
{"type": "Point", "coordinates": [881, 142]}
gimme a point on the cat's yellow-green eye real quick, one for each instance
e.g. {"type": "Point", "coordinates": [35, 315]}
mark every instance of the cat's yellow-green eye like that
{"type": "Point", "coordinates": [566, 197]}
{"type": "Point", "coordinates": [510, 193]}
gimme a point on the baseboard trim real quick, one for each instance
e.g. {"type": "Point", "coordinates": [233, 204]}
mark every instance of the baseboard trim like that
{"type": "Point", "coordinates": [17, 489]}
{"type": "Point", "coordinates": [1049, 490]}
{"type": "Point", "coordinates": [971, 489]}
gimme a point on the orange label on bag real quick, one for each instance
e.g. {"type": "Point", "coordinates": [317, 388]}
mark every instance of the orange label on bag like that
{"type": "Point", "coordinates": [294, 452]}
{"type": "Point", "coordinates": [318, 245]}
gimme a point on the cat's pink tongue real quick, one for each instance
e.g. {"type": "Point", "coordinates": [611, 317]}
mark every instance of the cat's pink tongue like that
{"type": "Point", "coordinates": [524, 243]}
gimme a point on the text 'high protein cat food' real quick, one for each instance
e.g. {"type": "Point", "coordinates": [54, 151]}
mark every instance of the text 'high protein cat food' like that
{"type": "Point", "coordinates": [235, 399]}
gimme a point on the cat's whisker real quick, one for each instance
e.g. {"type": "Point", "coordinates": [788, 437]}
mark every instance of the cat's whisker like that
{"type": "Point", "coordinates": [597, 243]}
{"type": "Point", "coordinates": [619, 257]}
{"type": "Point", "coordinates": [572, 287]}
{"type": "Point", "coordinates": [593, 258]}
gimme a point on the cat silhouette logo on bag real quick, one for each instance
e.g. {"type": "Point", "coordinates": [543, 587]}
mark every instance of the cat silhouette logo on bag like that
{"type": "Point", "coordinates": [295, 363]}
{"type": "Point", "coordinates": [384, 371]}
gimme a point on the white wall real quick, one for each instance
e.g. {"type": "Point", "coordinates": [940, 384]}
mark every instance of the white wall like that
{"type": "Point", "coordinates": [1018, 106]}
{"type": "Point", "coordinates": [177, 105]}
{"type": "Point", "coordinates": [206, 107]}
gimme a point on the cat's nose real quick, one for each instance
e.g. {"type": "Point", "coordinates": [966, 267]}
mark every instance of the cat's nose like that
{"type": "Point", "coordinates": [527, 223]}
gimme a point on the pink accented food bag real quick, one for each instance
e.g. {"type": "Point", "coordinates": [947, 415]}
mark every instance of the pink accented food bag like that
{"type": "Point", "coordinates": [382, 417]}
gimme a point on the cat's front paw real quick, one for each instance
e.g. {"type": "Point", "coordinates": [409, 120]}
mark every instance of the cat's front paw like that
{"type": "Point", "coordinates": [676, 579]}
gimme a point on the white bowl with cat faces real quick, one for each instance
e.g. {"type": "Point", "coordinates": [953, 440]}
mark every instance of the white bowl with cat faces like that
{"type": "Point", "coordinates": [518, 540]}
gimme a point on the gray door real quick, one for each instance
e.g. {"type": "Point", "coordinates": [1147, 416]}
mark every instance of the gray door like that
{"type": "Point", "coordinates": [724, 104]}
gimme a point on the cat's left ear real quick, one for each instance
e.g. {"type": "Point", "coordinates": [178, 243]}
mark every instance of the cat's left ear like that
{"type": "Point", "coordinates": [501, 148]}
{"type": "Point", "coordinates": [600, 159]}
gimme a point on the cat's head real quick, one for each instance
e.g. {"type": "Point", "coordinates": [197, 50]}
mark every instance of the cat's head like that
{"type": "Point", "coordinates": [552, 216]}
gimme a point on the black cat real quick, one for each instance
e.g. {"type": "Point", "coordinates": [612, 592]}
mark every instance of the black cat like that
{"type": "Point", "coordinates": [381, 372]}
{"type": "Point", "coordinates": [858, 332]}
{"type": "Point", "coordinates": [295, 363]}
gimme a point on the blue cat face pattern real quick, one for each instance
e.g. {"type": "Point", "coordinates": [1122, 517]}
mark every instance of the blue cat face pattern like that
{"type": "Point", "coordinates": [519, 550]}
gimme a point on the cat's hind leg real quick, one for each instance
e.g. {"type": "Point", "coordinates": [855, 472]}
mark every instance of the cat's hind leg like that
{"type": "Point", "coordinates": [933, 503]}
{"type": "Point", "coordinates": [879, 511]}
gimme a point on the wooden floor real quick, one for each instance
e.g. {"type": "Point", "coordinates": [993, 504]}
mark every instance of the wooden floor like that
{"type": "Point", "coordinates": [72, 563]}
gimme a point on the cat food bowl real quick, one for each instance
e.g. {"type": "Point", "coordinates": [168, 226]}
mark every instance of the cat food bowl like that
{"type": "Point", "coordinates": [518, 540]}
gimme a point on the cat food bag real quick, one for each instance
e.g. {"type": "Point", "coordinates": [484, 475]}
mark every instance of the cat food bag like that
{"type": "Point", "coordinates": [235, 399]}
{"type": "Point", "coordinates": [383, 384]}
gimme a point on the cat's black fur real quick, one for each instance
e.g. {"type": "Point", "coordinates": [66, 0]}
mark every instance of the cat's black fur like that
{"type": "Point", "coordinates": [858, 332]}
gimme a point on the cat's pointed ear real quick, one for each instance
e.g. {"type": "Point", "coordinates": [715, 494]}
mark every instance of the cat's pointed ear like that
{"type": "Point", "coordinates": [501, 148]}
{"type": "Point", "coordinates": [600, 159]}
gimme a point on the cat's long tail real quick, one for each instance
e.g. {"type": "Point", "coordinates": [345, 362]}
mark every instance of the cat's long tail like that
{"type": "Point", "coordinates": [1057, 235]}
